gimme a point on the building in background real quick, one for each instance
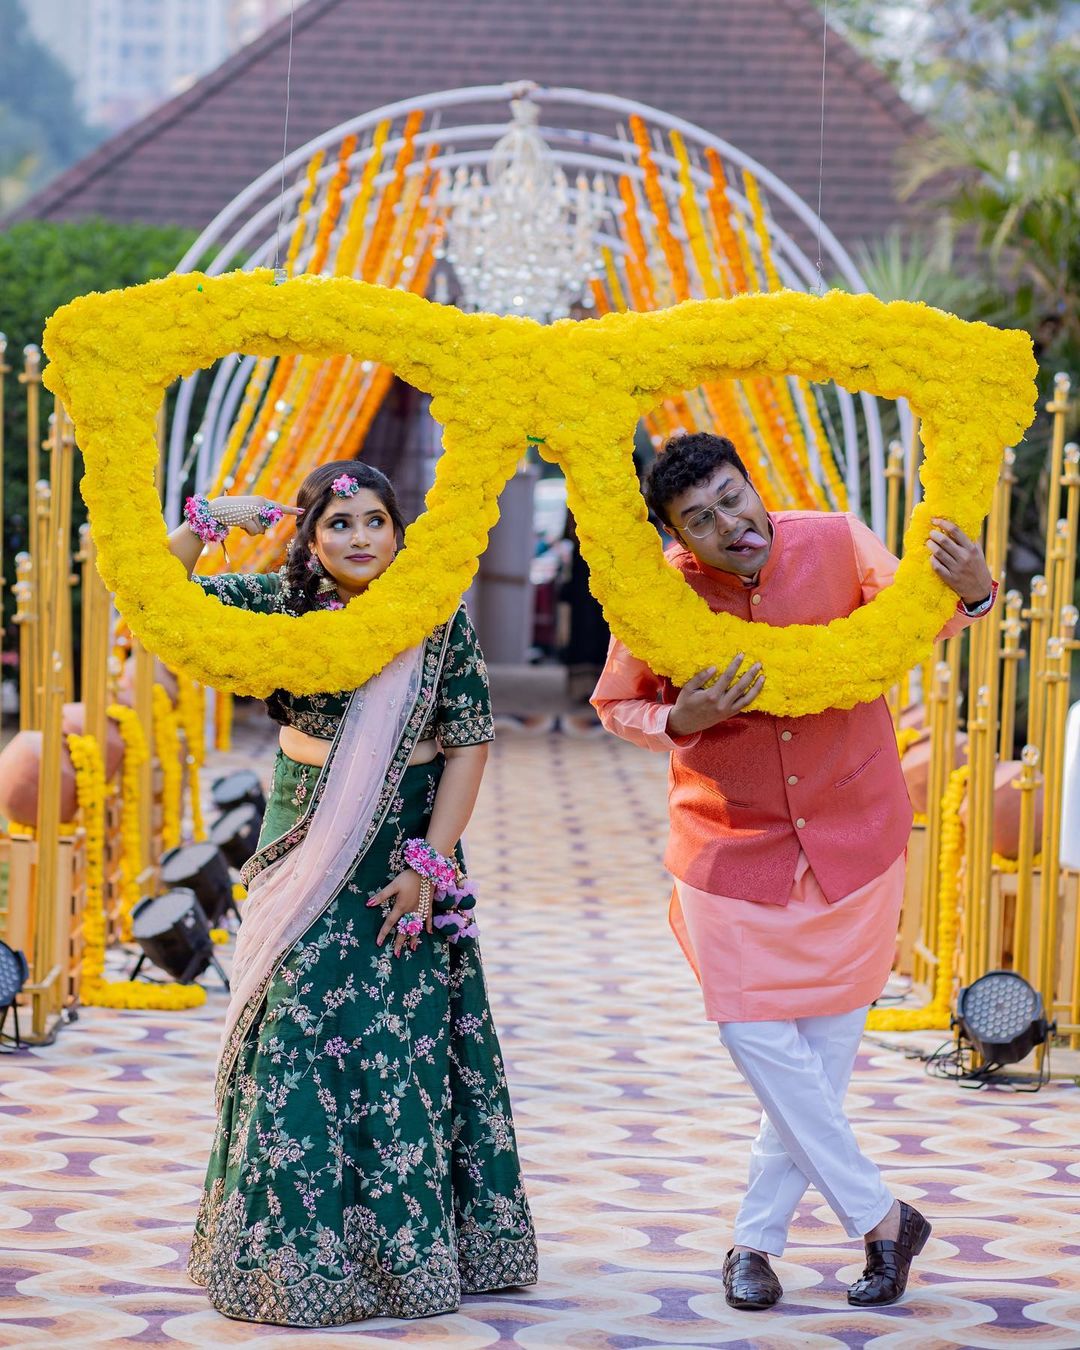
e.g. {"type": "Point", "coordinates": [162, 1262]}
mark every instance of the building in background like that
{"type": "Point", "coordinates": [127, 56]}
{"type": "Point", "coordinates": [747, 70]}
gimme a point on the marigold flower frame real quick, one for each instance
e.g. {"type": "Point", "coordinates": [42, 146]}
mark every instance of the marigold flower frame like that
{"type": "Point", "coordinates": [577, 389]}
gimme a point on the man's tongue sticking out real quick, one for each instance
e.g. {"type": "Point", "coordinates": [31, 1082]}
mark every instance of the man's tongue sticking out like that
{"type": "Point", "coordinates": [747, 542]}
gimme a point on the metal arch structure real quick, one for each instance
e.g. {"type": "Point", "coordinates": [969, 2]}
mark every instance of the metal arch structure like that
{"type": "Point", "coordinates": [255, 227]}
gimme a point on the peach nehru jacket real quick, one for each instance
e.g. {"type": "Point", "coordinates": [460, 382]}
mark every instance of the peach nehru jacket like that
{"type": "Point", "coordinates": [787, 834]}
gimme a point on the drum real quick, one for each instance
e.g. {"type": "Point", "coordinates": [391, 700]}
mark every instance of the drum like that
{"type": "Point", "coordinates": [236, 833]}
{"type": "Point", "coordinates": [201, 868]}
{"type": "Point", "coordinates": [173, 933]}
{"type": "Point", "coordinates": [237, 788]}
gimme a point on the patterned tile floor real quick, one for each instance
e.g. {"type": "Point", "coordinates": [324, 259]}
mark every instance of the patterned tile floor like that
{"type": "Point", "coordinates": [634, 1132]}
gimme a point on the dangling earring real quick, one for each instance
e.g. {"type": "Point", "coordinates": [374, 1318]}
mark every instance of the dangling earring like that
{"type": "Point", "coordinates": [314, 566]}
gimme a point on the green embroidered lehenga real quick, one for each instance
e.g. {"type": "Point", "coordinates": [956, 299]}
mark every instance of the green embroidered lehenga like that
{"type": "Point", "coordinates": [364, 1162]}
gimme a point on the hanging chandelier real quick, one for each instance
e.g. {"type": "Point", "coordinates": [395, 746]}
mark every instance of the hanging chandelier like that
{"type": "Point", "coordinates": [521, 240]}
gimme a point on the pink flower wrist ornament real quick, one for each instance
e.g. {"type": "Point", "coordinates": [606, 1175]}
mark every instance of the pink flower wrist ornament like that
{"type": "Point", "coordinates": [201, 521]}
{"type": "Point", "coordinates": [448, 882]}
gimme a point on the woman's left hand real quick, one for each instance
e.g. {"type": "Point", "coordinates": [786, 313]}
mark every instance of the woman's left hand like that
{"type": "Point", "coordinates": [403, 896]}
{"type": "Point", "coordinates": [959, 562]}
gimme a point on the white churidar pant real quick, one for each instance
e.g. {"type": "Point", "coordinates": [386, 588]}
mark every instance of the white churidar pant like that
{"type": "Point", "coordinates": [799, 1072]}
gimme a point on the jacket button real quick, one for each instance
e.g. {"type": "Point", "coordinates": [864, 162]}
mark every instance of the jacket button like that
{"type": "Point", "coordinates": [800, 823]}
{"type": "Point", "coordinates": [792, 779]}
{"type": "Point", "coordinates": [785, 735]}
{"type": "Point", "coordinates": [755, 599]}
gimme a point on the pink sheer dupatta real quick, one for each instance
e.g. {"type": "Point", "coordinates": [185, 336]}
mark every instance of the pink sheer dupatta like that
{"type": "Point", "coordinates": [286, 898]}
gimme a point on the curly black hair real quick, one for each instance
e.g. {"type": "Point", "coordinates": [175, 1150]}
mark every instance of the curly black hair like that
{"type": "Point", "coordinates": [315, 495]}
{"type": "Point", "coordinates": [684, 462]}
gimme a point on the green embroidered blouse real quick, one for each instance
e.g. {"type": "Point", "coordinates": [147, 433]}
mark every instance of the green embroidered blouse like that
{"type": "Point", "coordinates": [461, 714]}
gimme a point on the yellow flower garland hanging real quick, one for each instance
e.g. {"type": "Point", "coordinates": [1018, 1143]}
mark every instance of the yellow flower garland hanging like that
{"type": "Point", "coordinates": [577, 389]}
{"type": "Point", "coordinates": [191, 710]}
{"type": "Point", "coordinates": [94, 989]}
{"type": "Point", "coordinates": [167, 747]}
{"type": "Point", "coordinates": [135, 755]}
{"type": "Point", "coordinates": [90, 793]}
{"type": "Point", "coordinates": [936, 1014]}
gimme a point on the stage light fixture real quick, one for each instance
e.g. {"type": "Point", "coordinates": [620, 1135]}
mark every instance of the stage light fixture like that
{"type": "Point", "coordinates": [174, 934]}
{"type": "Point", "coordinates": [1003, 1018]}
{"type": "Point", "coordinates": [14, 972]}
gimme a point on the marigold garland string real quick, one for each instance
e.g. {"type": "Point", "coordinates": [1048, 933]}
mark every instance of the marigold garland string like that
{"type": "Point", "coordinates": [936, 1015]}
{"type": "Point", "coordinates": [191, 710]}
{"type": "Point", "coordinates": [167, 748]}
{"type": "Point", "coordinates": [135, 755]}
{"type": "Point", "coordinates": [94, 989]}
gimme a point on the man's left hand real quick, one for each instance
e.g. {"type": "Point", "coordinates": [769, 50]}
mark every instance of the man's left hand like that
{"type": "Point", "coordinates": [959, 562]}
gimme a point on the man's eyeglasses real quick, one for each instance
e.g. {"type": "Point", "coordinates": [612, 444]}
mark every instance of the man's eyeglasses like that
{"type": "Point", "coordinates": [701, 525]}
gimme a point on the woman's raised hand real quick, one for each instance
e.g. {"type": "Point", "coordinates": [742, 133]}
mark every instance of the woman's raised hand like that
{"type": "Point", "coordinates": [251, 513]}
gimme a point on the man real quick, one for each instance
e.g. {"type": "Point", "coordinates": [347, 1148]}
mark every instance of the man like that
{"type": "Point", "coordinates": [787, 845]}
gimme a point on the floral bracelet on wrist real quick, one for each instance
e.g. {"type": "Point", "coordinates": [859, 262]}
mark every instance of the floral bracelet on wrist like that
{"type": "Point", "coordinates": [444, 873]}
{"type": "Point", "coordinates": [202, 522]}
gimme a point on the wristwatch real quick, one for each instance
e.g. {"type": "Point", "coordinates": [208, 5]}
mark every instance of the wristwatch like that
{"type": "Point", "coordinates": [976, 611]}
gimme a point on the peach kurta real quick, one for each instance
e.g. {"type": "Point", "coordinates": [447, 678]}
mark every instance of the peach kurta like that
{"type": "Point", "coordinates": [809, 951]}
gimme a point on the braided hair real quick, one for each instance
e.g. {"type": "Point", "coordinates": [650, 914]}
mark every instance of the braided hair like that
{"type": "Point", "coordinates": [315, 495]}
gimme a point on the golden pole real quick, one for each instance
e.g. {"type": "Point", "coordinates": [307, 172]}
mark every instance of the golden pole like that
{"type": "Point", "coordinates": [984, 677]}
{"type": "Point", "coordinates": [1038, 615]}
{"type": "Point", "coordinates": [980, 804]}
{"type": "Point", "coordinates": [1007, 482]}
{"type": "Point", "coordinates": [1025, 863]}
{"type": "Point", "coordinates": [94, 662]}
{"type": "Point", "coordinates": [4, 370]}
{"type": "Point", "coordinates": [26, 618]}
{"type": "Point", "coordinates": [1056, 565]}
{"type": "Point", "coordinates": [894, 477]}
{"type": "Point", "coordinates": [940, 766]}
{"type": "Point", "coordinates": [31, 379]}
{"type": "Point", "coordinates": [1070, 616]}
{"type": "Point", "coordinates": [1058, 407]}
{"type": "Point", "coordinates": [144, 705]}
{"type": "Point", "coordinates": [50, 931]}
{"type": "Point", "coordinates": [1011, 655]}
{"type": "Point", "coordinates": [1055, 678]}
{"type": "Point", "coordinates": [65, 438]}
{"type": "Point", "coordinates": [44, 567]}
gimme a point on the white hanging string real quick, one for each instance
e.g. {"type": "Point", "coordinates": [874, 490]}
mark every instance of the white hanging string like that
{"type": "Point", "coordinates": [821, 146]}
{"type": "Point", "coordinates": [278, 273]}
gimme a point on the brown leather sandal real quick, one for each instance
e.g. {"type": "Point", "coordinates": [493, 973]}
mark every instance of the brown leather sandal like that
{"type": "Point", "coordinates": [888, 1262]}
{"type": "Point", "coordinates": [750, 1283]}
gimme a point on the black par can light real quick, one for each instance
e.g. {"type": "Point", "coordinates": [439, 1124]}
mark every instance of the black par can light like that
{"type": "Point", "coordinates": [1002, 1016]}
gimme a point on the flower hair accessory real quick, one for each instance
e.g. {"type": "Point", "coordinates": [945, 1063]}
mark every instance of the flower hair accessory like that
{"type": "Point", "coordinates": [345, 486]}
{"type": "Point", "coordinates": [202, 522]}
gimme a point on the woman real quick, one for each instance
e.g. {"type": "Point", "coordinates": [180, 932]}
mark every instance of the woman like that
{"type": "Point", "coordinates": [364, 1163]}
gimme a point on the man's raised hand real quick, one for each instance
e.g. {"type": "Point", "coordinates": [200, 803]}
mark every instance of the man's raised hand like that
{"type": "Point", "coordinates": [697, 708]}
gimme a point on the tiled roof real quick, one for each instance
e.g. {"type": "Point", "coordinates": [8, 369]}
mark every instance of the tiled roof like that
{"type": "Point", "coordinates": [746, 70]}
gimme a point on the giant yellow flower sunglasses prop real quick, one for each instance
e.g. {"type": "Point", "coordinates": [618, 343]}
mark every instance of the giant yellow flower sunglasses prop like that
{"type": "Point", "coordinates": [577, 389]}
